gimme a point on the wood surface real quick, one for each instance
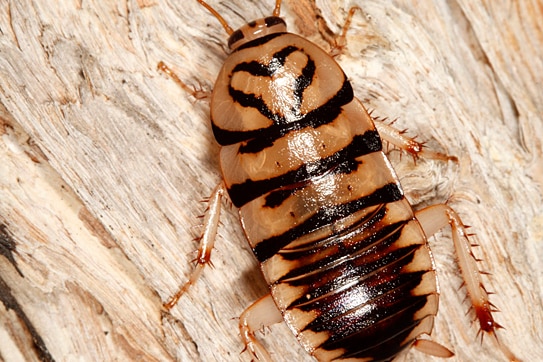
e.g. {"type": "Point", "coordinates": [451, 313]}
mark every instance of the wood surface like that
{"type": "Point", "coordinates": [104, 162]}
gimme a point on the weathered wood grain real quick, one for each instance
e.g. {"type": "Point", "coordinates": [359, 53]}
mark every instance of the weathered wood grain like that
{"type": "Point", "coordinates": [103, 162]}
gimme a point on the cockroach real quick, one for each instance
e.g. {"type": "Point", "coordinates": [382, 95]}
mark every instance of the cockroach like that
{"type": "Point", "coordinates": [345, 256]}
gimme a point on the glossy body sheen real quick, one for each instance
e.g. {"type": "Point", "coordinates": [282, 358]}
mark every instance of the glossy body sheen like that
{"type": "Point", "coordinates": [345, 258]}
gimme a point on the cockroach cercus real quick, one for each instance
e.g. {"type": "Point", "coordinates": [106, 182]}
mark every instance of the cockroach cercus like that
{"type": "Point", "coordinates": [345, 256]}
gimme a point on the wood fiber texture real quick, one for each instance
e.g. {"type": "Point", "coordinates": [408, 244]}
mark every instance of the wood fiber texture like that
{"type": "Point", "coordinates": [104, 162]}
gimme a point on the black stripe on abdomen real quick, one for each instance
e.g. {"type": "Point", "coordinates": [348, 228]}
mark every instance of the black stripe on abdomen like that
{"type": "Point", "coordinates": [344, 160]}
{"type": "Point", "coordinates": [364, 301]}
{"type": "Point", "coordinates": [269, 247]}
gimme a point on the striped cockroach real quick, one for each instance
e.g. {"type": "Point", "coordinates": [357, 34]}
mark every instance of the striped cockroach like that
{"type": "Point", "coordinates": [344, 254]}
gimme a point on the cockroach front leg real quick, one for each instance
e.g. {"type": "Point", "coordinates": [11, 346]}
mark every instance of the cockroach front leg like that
{"type": "Point", "coordinates": [340, 41]}
{"type": "Point", "coordinates": [207, 240]}
{"type": "Point", "coordinates": [436, 217]}
{"type": "Point", "coordinates": [262, 313]}
{"type": "Point", "coordinates": [197, 93]}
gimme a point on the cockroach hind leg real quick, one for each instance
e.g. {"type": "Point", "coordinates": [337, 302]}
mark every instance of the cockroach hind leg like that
{"type": "Point", "coordinates": [207, 240]}
{"type": "Point", "coordinates": [436, 217]}
{"type": "Point", "coordinates": [198, 93]}
{"type": "Point", "coordinates": [260, 314]}
{"type": "Point", "coordinates": [413, 147]}
{"type": "Point", "coordinates": [432, 348]}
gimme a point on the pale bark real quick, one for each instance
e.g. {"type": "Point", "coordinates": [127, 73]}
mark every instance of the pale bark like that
{"type": "Point", "coordinates": [103, 162]}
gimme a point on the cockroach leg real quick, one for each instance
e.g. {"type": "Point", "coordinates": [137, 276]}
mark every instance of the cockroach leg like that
{"type": "Point", "coordinates": [432, 348]}
{"type": "Point", "coordinates": [197, 93]}
{"type": "Point", "coordinates": [262, 313]}
{"type": "Point", "coordinates": [341, 40]}
{"type": "Point", "coordinates": [207, 240]}
{"type": "Point", "coordinates": [416, 149]}
{"type": "Point", "coordinates": [436, 217]}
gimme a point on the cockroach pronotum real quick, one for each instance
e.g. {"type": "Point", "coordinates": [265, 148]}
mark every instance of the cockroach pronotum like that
{"type": "Point", "coordinates": [344, 254]}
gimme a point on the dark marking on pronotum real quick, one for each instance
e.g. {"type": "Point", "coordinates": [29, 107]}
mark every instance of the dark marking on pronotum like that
{"type": "Point", "coordinates": [256, 42]}
{"type": "Point", "coordinates": [261, 138]}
